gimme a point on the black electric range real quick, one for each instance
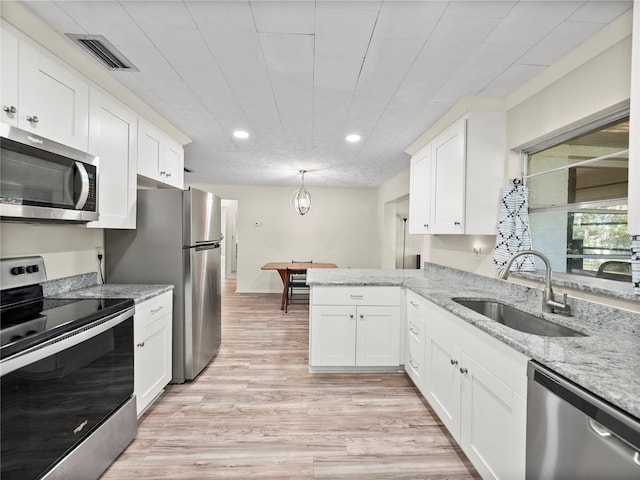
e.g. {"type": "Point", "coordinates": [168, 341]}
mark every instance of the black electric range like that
{"type": "Point", "coordinates": [27, 318]}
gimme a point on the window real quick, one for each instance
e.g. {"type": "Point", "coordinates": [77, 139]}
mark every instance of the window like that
{"type": "Point", "coordinates": [578, 191]}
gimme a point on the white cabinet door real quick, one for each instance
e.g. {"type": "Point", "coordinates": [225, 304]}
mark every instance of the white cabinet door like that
{"type": "Point", "coordinates": [420, 191]}
{"type": "Point", "coordinates": [112, 137]}
{"type": "Point", "coordinates": [377, 336]}
{"type": "Point", "coordinates": [52, 100]}
{"type": "Point", "coordinates": [449, 150]}
{"type": "Point", "coordinates": [333, 335]}
{"type": "Point", "coordinates": [150, 151]}
{"type": "Point", "coordinates": [152, 360]}
{"type": "Point", "coordinates": [151, 355]}
{"type": "Point", "coordinates": [443, 380]}
{"type": "Point", "coordinates": [9, 78]}
{"type": "Point", "coordinates": [174, 164]}
{"type": "Point", "coordinates": [493, 420]}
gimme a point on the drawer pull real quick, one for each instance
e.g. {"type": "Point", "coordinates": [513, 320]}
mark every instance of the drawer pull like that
{"type": "Point", "coordinates": [362, 316]}
{"type": "Point", "coordinates": [156, 310]}
{"type": "Point", "coordinates": [141, 344]}
{"type": "Point", "coordinates": [464, 370]}
{"type": "Point", "coordinates": [414, 331]}
{"type": "Point", "coordinates": [454, 362]}
{"type": "Point", "coordinates": [357, 297]}
{"type": "Point", "coordinates": [413, 303]}
{"type": "Point", "coordinates": [351, 315]}
{"type": "Point", "coordinates": [413, 364]}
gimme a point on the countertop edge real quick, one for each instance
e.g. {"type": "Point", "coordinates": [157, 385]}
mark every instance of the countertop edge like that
{"type": "Point", "coordinates": [138, 292]}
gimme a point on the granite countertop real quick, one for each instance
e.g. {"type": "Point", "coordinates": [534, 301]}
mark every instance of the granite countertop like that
{"type": "Point", "coordinates": [604, 362]}
{"type": "Point", "coordinates": [139, 293]}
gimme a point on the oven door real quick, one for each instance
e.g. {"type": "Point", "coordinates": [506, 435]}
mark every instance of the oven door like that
{"type": "Point", "coordinates": [44, 179]}
{"type": "Point", "coordinates": [54, 395]}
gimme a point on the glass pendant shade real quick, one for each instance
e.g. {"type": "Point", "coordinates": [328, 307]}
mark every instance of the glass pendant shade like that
{"type": "Point", "coordinates": [301, 198]}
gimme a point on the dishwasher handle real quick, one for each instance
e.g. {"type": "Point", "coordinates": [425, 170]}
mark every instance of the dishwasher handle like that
{"type": "Point", "coordinates": [607, 435]}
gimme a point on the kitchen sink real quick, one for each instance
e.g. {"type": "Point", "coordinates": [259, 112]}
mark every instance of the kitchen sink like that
{"type": "Point", "coordinates": [517, 319]}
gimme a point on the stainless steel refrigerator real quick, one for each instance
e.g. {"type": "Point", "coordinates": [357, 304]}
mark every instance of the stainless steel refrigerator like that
{"type": "Point", "coordinates": [176, 241]}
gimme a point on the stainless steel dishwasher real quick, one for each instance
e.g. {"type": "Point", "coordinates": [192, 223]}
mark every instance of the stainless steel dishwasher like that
{"type": "Point", "coordinates": [571, 434]}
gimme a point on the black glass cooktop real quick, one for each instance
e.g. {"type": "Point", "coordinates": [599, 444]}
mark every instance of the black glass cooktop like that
{"type": "Point", "coordinates": [28, 324]}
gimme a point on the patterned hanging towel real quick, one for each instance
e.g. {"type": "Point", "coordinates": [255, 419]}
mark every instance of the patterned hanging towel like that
{"type": "Point", "coordinates": [635, 262]}
{"type": "Point", "coordinates": [513, 229]}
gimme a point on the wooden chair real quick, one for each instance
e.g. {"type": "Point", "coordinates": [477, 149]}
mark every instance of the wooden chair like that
{"type": "Point", "coordinates": [297, 288]}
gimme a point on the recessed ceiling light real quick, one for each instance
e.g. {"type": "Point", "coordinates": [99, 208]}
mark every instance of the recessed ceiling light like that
{"type": "Point", "coordinates": [352, 138]}
{"type": "Point", "coordinates": [241, 134]}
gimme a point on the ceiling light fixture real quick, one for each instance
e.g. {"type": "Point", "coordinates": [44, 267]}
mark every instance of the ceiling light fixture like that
{"type": "Point", "coordinates": [301, 198]}
{"type": "Point", "coordinates": [241, 134]}
{"type": "Point", "coordinates": [353, 138]}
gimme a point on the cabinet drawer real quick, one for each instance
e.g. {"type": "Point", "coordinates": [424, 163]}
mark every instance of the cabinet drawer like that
{"type": "Point", "coordinates": [356, 296]}
{"type": "Point", "coordinates": [153, 310]}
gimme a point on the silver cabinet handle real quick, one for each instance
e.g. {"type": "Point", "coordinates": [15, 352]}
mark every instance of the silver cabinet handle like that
{"type": "Point", "coordinates": [414, 331]}
{"type": "Point", "coordinates": [156, 310]}
{"type": "Point", "coordinates": [412, 363]}
{"type": "Point", "coordinates": [141, 344]}
{"type": "Point", "coordinates": [10, 109]}
{"type": "Point", "coordinates": [413, 303]}
{"type": "Point", "coordinates": [464, 370]}
{"type": "Point", "coordinates": [32, 119]}
{"type": "Point", "coordinates": [356, 297]}
{"type": "Point", "coordinates": [454, 362]}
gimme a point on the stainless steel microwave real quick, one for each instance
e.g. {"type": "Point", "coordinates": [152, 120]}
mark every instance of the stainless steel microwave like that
{"type": "Point", "coordinates": [42, 180]}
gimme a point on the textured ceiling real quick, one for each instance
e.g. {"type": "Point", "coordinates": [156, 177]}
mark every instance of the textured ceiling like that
{"type": "Point", "coordinates": [301, 75]}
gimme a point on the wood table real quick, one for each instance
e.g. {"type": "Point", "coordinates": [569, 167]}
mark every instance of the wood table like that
{"type": "Point", "coordinates": [281, 267]}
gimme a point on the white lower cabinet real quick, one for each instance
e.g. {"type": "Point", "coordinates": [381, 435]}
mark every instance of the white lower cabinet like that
{"type": "Point", "coordinates": [475, 383]}
{"type": "Point", "coordinates": [355, 327]}
{"type": "Point", "coordinates": [152, 346]}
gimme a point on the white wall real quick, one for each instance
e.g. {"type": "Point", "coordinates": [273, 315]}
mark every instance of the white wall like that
{"type": "Point", "coordinates": [589, 81]}
{"type": "Point", "coordinates": [340, 228]}
{"type": "Point", "coordinates": [67, 249]}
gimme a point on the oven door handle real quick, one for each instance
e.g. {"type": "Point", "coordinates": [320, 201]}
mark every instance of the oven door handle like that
{"type": "Point", "coordinates": [67, 340]}
{"type": "Point", "coordinates": [84, 191]}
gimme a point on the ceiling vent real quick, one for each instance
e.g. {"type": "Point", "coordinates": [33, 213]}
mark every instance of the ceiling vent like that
{"type": "Point", "coordinates": [103, 51]}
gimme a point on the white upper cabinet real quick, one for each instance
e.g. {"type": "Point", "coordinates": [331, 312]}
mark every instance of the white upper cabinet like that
{"type": "Point", "coordinates": [174, 164]}
{"type": "Point", "coordinates": [456, 179]}
{"type": "Point", "coordinates": [53, 101]}
{"type": "Point", "coordinates": [9, 78]}
{"type": "Point", "coordinates": [160, 158]}
{"type": "Point", "coordinates": [420, 191]}
{"type": "Point", "coordinates": [448, 206]}
{"type": "Point", "coordinates": [113, 138]}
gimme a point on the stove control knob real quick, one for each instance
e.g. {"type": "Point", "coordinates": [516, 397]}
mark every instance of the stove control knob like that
{"type": "Point", "coordinates": [17, 270]}
{"type": "Point", "coordinates": [33, 269]}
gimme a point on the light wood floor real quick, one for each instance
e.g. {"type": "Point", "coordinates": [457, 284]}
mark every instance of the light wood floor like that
{"type": "Point", "coordinates": [256, 412]}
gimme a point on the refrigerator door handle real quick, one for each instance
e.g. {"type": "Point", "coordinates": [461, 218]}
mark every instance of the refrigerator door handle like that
{"type": "Point", "coordinates": [206, 246]}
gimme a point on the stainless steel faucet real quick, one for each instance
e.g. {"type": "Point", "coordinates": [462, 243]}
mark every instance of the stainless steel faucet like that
{"type": "Point", "coordinates": [549, 303]}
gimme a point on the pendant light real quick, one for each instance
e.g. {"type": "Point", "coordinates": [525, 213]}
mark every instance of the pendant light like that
{"type": "Point", "coordinates": [301, 198]}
